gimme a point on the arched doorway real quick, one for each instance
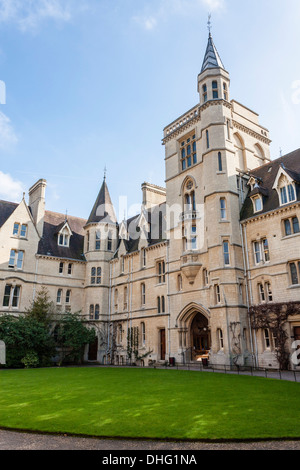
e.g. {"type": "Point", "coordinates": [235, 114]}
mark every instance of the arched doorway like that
{"type": "Point", "coordinates": [200, 336]}
{"type": "Point", "coordinates": [193, 325]}
{"type": "Point", "coordinates": [93, 350]}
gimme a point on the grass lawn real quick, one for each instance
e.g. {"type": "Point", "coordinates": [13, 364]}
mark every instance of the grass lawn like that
{"type": "Point", "coordinates": [147, 403]}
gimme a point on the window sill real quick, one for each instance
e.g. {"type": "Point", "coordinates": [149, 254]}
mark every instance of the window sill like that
{"type": "Point", "coordinates": [286, 237]}
{"type": "Point", "coordinates": [294, 286]}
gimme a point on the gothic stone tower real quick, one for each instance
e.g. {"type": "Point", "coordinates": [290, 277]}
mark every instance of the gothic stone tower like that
{"type": "Point", "coordinates": [208, 152]}
{"type": "Point", "coordinates": [101, 238]}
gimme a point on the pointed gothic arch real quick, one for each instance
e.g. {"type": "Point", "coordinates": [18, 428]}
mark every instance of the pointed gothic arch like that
{"type": "Point", "coordinates": [193, 324]}
{"type": "Point", "coordinates": [240, 151]}
{"type": "Point", "coordinates": [184, 183]}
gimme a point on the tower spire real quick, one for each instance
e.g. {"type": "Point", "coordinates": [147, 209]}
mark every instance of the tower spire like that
{"type": "Point", "coordinates": [212, 58]}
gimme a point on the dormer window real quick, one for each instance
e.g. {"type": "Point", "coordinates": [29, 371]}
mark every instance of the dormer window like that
{"type": "Point", "coordinates": [64, 236]}
{"type": "Point", "coordinates": [257, 203]}
{"type": "Point", "coordinates": [287, 194]}
{"type": "Point", "coordinates": [285, 187]}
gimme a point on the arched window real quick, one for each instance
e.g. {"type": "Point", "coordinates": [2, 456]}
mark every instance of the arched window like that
{"type": "Point", "coordinates": [116, 299]}
{"type": "Point", "coordinates": [204, 93]}
{"type": "Point", "coordinates": [207, 139]}
{"type": "Point", "coordinates": [125, 298]}
{"type": "Point", "coordinates": [220, 338]}
{"type": "Point", "coordinates": [223, 208]}
{"type": "Point", "coordinates": [143, 294]}
{"type": "Point", "coordinates": [226, 253]}
{"type": "Point", "coordinates": [179, 282]}
{"type": "Point", "coordinates": [215, 91]}
{"type": "Point", "coordinates": [143, 333]}
{"type": "Point", "coordinates": [92, 310]}
{"type": "Point", "coordinates": [98, 240]}
{"type": "Point", "coordinates": [97, 311]}
{"type": "Point", "coordinates": [239, 152]}
{"type": "Point", "coordinates": [220, 163]}
{"type": "Point", "coordinates": [88, 241]}
{"type": "Point", "coordinates": [163, 306]}
{"type": "Point", "coordinates": [109, 241]}
{"type": "Point", "coordinates": [225, 93]}
{"type": "Point", "coordinates": [68, 296]}
{"type": "Point", "coordinates": [189, 196]}
{"type": "Point", "coordinates": [59, 296]}
{"type": "Point", "coordinates": [267, 338]}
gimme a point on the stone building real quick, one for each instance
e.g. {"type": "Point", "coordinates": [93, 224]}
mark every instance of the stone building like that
{"type": "Point", "coordinates": [175, 282]}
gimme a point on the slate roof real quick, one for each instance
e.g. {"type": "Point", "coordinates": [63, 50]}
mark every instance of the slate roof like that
{"type": "Point", "coordinates": [155, 218]}
{"type": "Point", "coordinates": [267, 174]}
{"type": "Point", "coordinates": [103, 210]}
{"type": "Point", "coordinates": [6, 210]}
{"type": "Point", "coordinates": [48, 244]}
{"type": "Point", "coordinates": [212, 58]}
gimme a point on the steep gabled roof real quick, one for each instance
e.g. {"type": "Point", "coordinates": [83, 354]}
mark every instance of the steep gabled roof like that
{"type": "Point", "coordinates": [267, 175]}
{"type": "Point", "coordinates": [48, 244]}
{"type": "Point", "coordinates": [212, 58]}
{"type": "Point", "coordinates": [6, 210]}
{"type": "Point", "coordinates": [103, 210]}
{"type": "Point", "coordinates": [154, 218]}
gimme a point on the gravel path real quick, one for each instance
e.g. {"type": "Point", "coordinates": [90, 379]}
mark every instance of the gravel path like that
{"type": "Point", "coordinates": [10, 440]}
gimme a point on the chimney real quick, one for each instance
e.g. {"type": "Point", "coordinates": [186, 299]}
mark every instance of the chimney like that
{"type": "Point", "coordinates": [153, 195]}
{"type": "Point", "coordinates": [37, 204]}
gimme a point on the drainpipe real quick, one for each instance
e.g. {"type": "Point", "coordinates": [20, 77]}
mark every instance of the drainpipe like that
{"type": "Point", "coordinates": [168, 294]}
{"type": "Point", "coordinates": [247, 290]}
{"type": "Point", "coordinates": [109, 305]}
{"type": "Point", "coordinates": [228, 331]}
{"type": "Point", "coordinates": [251, 296]}
{"type": "Point", "coordinates": [35, 278]}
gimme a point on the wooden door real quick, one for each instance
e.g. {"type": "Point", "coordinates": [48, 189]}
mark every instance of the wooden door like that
{"type": "Point", "coordinates": [163, 344]}
{"type": "Point", "coordinates": [93, 350]}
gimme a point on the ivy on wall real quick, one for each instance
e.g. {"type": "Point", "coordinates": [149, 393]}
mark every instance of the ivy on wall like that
{"type": "Point", "coordinates": [275, 317]}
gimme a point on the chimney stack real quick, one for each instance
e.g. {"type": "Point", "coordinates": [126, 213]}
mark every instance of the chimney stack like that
{"type": "Point", "coordinates": [37, 204]}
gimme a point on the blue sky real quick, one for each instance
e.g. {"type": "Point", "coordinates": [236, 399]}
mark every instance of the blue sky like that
{"type": "Point", "coordinates": [92, 83]}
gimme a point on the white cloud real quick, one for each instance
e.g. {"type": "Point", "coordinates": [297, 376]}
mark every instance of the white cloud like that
{"type": "Point", "coordinates": [147, 22]}
{"type": "Point", "coordinates": [29, 14]}
{"type": "Point", "coordinates": [8, 136]}
{"type": "Point", "coordinates": [213, 5]}
{"type": "Point", "coordinates": [166, 8]}
{"type": "Point", "coordinates": [10, 189]}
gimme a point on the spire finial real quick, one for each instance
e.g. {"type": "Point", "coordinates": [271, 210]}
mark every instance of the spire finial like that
{"type": "Point", "coordinates": [209, 26]}
{"type": "Point", "coordinates": [105, 171]}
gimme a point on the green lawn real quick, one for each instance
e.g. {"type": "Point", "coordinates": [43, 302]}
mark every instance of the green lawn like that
{"type": "Point", "coordinates": [147, 403]}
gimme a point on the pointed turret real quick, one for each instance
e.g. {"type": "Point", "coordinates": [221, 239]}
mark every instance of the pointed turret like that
{"type": "Point", "coordinates": [212, 58]}
{"type": "Point", "coordinates": [213, 80]}
{"type": "Point", "coordinates": [103, 210]}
